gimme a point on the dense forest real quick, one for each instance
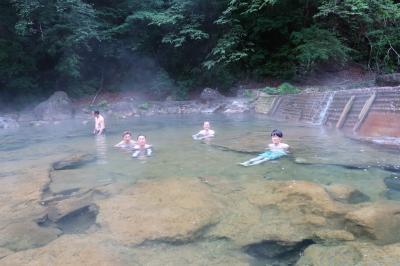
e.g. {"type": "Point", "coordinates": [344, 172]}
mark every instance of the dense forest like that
{"type": "Point", "coordinates": [173, 47]}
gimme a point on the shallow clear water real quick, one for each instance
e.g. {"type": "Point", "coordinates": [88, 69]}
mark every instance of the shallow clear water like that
{"type": "Point", "coordinates": [317, 154]}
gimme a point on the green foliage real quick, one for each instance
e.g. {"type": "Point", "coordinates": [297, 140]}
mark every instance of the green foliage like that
{"type": "Point", "coordinates": [79, 46]}
{"type": "Point", "coordinates": [229, 49]}
{"type": "Point", "coordinates": [314, 45]}
{"type": "Point", "coordinates": [370, 26]}
{"type": "Point", "coordinates": [161, 85]}
{"type": "Point", "coordinates": [283, 89]}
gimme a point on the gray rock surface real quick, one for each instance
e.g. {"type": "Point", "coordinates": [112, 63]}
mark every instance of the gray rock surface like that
{"type": "Point", "coordinates": [57, 107]}
{"type": "Point", "coordinates": [388, 79]}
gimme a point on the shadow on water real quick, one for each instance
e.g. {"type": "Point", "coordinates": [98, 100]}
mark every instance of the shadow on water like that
{"type": "Point", "coordinates": [75, 222]}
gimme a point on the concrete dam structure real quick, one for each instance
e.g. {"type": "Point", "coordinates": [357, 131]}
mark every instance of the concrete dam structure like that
{"type": "Point", "coordinates": [367, 113]}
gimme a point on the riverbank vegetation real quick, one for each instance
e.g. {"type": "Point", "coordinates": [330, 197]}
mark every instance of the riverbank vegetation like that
{"type": "Point", "coordinates": [174, 47]}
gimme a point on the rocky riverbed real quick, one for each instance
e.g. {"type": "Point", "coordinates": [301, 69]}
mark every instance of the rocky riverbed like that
{"type": "Point", "coordinates": [181, 221]}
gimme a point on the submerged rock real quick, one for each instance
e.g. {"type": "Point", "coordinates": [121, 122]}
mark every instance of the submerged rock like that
{"type": "Point", "coordinates": [4, 252]}
{"type": "Point", "coordinates": [284, 211]}
{"type": "Point", "coordinates": [392, 194]}
{"type": "Point", "coordinates": [350, 254]}
{"type": "Point", "coordinates": [319, 255]}
{"type": "Point", "coordinates": [26, 235]}
{"type": "Point", "coordinates": [379, 221]}
{"type": "Point", "coordinates": [173, 211]}
{"type": "Point", "coordinates": [216, 252]}
{"type": "Point", "coordinates": [74, 161]}
{"type": "Point", "coordinates": [57, 107]}
{"type": "Point", "coordinates": [253, 143]}
{"type": "Point", "coordinates": [392, 182]}
{"type": "Point", "coordinates": [282, 251]}
{"type": "Point", "coordinates": [346, 194]}
{"type": "Point", "coordinates": [70, 250]}
{"type": "Point", "coordinates": [66, 211]}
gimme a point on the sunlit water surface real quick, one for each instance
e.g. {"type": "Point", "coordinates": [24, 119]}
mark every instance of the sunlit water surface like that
{"type": "Point", "coordinates": [177, 155]}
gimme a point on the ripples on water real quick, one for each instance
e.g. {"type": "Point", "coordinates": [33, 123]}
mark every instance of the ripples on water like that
{"type": "Point", "coordinates": [317, 154]}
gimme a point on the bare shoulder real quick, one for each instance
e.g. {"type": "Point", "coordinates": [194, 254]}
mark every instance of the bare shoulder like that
{"type": "Point", "coordinates": [284, 146]}
{"type": "Point", "coordinates": [271, 146]}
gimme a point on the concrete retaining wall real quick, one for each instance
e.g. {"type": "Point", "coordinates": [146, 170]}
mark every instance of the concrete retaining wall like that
{"type": "Point", "coordinates": [382, 118]}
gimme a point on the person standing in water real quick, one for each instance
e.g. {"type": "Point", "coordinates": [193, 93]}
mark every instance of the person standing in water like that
{"type": "Point", "coordinates": [126, 142]}
{"type": "Point", "coordinates": [276, 150]}
{"type": "Point", "coordinates": [205, 133]}
{"type": "Point", "coordinates": [142, 149]}
{"type": "Point", "coordinates": [99, 124]}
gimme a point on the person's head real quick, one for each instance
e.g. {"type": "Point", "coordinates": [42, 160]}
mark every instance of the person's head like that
{"type": "Point", "coordinates": [206, 125]}
{"type": "Point", "coordinates": [141, 140]}
{"type": "Point", "coordinates": [96, 113]}
{"type": "Point", "coordinates": [276, 136]}
{"type": "Point", "coordinates": [127, 136]}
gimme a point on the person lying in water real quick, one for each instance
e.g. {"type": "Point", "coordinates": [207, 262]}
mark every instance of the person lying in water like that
{"type": "Point", "coordinates": [276, 150]}
{"type": "Point", "coordinates": [126, 142]}
{"type": "Point", "coordinates": [205, 133]}
{"type": "Point", "coordinates": [142, 149]}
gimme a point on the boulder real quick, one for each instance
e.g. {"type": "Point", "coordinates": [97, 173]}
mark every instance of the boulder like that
{"type": "Point", "coordinates": [346, 194]}
{"type": "Point", "coordinates": [8, 123]}
{"type": "Point", "coordinates": [173, 211]}
{"type": "Point", "coordinates": [209, 94]}
{"type": "Point", "coordinates": [74, 161]}
{"type": "Point", "coordinates": [378, 221]}
{"type": "Point", "coordinates": [388, 79]}
{"type": "Point", "coordinates": [57, 107]}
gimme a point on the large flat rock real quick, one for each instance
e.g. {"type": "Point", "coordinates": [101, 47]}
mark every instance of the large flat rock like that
{"type": "Point", "coordinates": [170, 210]}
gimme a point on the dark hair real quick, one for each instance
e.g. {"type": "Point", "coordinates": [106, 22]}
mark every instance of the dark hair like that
{"type": "Point", "coordinates": [96, 112]}
{"type": "Point", "coordinates": [127, 132]}
{"type": "Point", "coordinates": [276, 132]}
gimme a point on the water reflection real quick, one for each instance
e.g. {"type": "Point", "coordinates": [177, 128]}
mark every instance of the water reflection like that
{"type": "Point", "coordinates": [101, 149]}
